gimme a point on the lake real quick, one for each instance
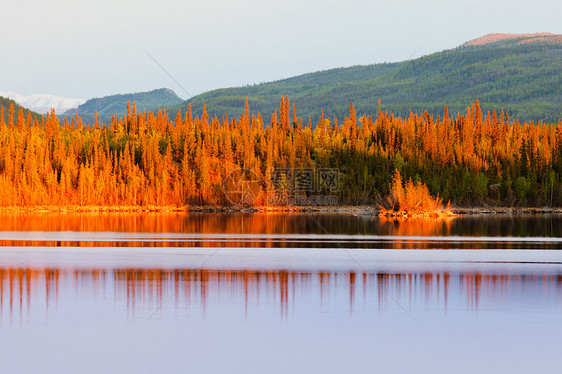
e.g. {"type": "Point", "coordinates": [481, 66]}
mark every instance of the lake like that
{"type": "Point", "coordinates": [210, 293]}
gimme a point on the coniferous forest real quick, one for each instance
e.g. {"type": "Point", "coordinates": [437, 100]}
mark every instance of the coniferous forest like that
{"type": "Point", "coordinates": [522, 75]}
{"type": "Point", "coordinates": [146, 159]}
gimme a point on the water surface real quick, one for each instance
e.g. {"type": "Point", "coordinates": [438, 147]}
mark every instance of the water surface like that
{"type": "Point", "coordinates": [279, 293]}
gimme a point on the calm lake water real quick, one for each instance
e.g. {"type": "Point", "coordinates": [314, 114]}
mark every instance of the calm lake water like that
{"type": "Point", "coordinates": [212, 293]}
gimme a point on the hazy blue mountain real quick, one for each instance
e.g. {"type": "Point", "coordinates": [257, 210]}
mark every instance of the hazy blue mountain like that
{"type": "Point", "coordinates": [106, 106]}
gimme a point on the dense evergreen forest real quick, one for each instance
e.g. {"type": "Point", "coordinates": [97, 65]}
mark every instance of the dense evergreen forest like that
{"type": "Point", "coordinates": [143, 159]}
{"type": "Point", "coordinates": [523, 76]}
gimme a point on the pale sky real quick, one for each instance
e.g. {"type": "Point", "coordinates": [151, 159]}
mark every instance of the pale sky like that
{"type": "Point", "coordinates": [83, 48]}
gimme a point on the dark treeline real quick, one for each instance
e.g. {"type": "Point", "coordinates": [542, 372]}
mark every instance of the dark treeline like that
{"type": "Point", "coordinates": [143, 159]}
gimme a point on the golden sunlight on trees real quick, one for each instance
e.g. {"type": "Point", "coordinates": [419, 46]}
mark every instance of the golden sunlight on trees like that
{"type": "Point", "coordinates": [412, 200]}
{"type": "Point", "coordinates": [149, 159]}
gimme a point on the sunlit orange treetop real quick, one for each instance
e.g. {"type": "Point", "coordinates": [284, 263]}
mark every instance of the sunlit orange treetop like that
{"type": "Point", "coordinates": [149, 158]}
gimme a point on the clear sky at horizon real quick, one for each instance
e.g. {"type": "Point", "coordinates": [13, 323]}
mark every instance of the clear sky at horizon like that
{"type": "Point", "coordinates": [82, 48]}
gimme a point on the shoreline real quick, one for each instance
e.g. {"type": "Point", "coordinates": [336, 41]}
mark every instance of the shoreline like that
{"type": "Point", "coordinates": [363, 210]}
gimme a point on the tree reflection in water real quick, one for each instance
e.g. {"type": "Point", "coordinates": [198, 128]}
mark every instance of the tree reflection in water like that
{"type": "Point", "coordinates": [144, 290]}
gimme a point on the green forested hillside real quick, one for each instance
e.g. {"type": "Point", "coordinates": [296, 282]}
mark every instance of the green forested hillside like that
{"type": "Point", "coordinates": [5, 104]}
{"type": "Point", "coordinates": [106, 106]}
{"type": "Point", "coordinates": [522, 75]}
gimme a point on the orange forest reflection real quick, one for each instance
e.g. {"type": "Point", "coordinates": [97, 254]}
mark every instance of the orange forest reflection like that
{"type": "Point", "coordinates": [22, 289]}
{"type": "Point", "coordinates": [271, 230]}
{"type": "Point", "coordinates": [399, 226]}
{"type": "Point", "coordinates": [238, 223]}
{"type": "Point", "coordinates": [282, 223]}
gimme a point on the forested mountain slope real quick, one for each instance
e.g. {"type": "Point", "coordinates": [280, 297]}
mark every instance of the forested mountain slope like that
{"type": "Point", "coordinates": [5, 104]}
{"type": "Point", "coordinates": [108, 105]}
{"type": "Point", "coordinates": [520, 73]}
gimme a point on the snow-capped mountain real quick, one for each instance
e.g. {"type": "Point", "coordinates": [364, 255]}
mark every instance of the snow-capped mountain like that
{"type": "Point", "coordinates": [42, 103]}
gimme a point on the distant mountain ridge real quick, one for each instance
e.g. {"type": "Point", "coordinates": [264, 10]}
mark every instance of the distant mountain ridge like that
{"type": "Point", "coordinates": [43, 103]}
{"type": "Point", "coordinates": [520, 73]}
{"type": "Point", "coordinates": [108, 105]}
{"type": "Point", "coordinates": [502, 37]}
